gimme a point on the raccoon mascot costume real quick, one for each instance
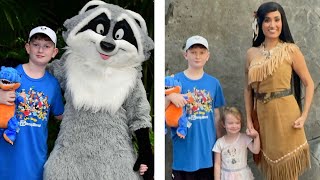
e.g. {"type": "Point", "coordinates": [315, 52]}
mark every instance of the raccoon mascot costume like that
{"type": "Point", "coordinates": [106, 102]}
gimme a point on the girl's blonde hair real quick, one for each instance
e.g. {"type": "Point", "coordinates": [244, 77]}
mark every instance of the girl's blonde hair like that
{"type": "Point", "coordinates": [231, 110]}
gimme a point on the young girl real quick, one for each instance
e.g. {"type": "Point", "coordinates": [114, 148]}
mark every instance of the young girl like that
{"type": "Point", "coordinates": [231, 149]}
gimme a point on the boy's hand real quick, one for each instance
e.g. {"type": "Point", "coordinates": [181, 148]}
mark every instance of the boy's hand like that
{"type": "Point", "coordinates": [177, 99]}
{"type": "Point", "coordinates": [7, 97]}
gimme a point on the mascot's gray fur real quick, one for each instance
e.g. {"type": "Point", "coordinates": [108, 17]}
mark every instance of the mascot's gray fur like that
{"type": "Point", "coordinates": [105, 99]}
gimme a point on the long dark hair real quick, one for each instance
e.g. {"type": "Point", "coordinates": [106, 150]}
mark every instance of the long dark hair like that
{"type": "Point", "coordinates": [285, 36]}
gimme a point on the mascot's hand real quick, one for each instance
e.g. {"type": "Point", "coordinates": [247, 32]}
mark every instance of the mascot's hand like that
{"type": "Point", "coordinates": [145, 155]}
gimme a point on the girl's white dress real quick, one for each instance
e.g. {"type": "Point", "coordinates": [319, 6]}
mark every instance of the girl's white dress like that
{"type": "Point", "coordinates": [234, 158]}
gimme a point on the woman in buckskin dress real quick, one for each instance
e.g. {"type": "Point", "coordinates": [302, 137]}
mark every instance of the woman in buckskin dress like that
{"type": "Point", "coordinates": [274, 68]}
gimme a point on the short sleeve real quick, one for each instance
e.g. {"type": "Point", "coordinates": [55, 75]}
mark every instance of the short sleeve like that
{"type": "Point", "coordinates": [247, 139]}
{"type": "Point", "coordinates": [57, 106]}
{"type": "Point", "coordinates": [217, 146]}
{"type": "Point", "coordinates": [218, 97]}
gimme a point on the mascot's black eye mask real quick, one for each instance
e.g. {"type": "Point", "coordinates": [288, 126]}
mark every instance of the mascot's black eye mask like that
{"type": "Point", "coordinates": [121, 31]}
{"type": "Point", "coordinates": [100, 25]}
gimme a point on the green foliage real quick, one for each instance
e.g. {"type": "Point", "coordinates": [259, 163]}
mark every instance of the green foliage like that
{"type": "Point", "coordinates": [18, 17]}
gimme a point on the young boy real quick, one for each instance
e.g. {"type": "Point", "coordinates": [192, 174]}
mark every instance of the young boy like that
{"type": "Point", "coordinates": [192, 156]}
{"type": "Point", "coordinates": [26, 157]}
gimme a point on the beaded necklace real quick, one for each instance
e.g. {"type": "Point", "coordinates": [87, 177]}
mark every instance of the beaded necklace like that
{"type": "Point", "coordinates": [268, 53]}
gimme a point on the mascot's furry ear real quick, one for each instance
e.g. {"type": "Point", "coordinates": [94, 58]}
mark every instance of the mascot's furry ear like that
{"type": "Point", "coordinates": [139, 20]}
{"type": "Point", "coordinates": [136, 16]}
{"type": "Point", "coordinates": [91, 5]}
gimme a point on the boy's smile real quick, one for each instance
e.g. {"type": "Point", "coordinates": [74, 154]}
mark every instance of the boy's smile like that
{"type": "Point", "coordinates": [41, 51]}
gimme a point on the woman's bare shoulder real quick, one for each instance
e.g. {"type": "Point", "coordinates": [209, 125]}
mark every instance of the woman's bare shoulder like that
{"type": "Point", "coordinates": [251, 52]}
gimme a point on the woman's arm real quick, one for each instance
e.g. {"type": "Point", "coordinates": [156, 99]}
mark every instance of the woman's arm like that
{"type": "Point", "coordinates": [248, 92]}
{"type": "Point", "coordinates": [300, 67]}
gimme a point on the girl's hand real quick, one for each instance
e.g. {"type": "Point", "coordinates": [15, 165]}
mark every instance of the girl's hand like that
{"type": "Point", "coordinates": [252, 132]}
{"type": "Point", "coordinates": [143, 168]}
{"type": "Point", "coordinates": [177, 99]}
{"type": "Point", "coordinates": [299, 123]}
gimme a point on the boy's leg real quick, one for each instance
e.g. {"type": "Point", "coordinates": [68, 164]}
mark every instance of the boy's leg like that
{"type": "Point", "coordinates": [183, 175]}
{"type": "Point", "coordinates": [177, 175]}
{"type": "Point", "coordinates": [205, 174]}
{"type": "Point", "coordinates": [201, 174]}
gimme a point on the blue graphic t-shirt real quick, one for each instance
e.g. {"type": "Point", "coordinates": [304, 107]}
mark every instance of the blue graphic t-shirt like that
{"type": "Point", "coordinates": [25, 159]}
{"type": "Point", "coordinates": [195, 151]}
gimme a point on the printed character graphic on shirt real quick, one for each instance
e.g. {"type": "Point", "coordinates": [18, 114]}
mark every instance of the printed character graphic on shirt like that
{"type": "Point", "coordinates": [231, 154]}
{"type": "Point", "coordinates": [200, 105]}
{"type": "Point", "coordinates": [34, 109]}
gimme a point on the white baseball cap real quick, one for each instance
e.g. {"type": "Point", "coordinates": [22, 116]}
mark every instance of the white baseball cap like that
{"type": "Point", "coordinates": [196, 40]}
{"type": "Point", "coordinates": [45, 30]}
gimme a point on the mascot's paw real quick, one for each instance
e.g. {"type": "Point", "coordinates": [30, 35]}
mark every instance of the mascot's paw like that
{"type": "Point", "coordinates": [182, 132]}
{"type": "Point", "coordinates": [181, 135]}
{"type": "Point", "coordinates": [9, 136]}
{"type": "Point", "coordinates": [145, 155]}
{"type": "Point", "coordinates": [148, 175]}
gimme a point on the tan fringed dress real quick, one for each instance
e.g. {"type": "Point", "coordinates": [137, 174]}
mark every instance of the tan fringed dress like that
{"type": "Point", "coordinates": [285, 150]}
